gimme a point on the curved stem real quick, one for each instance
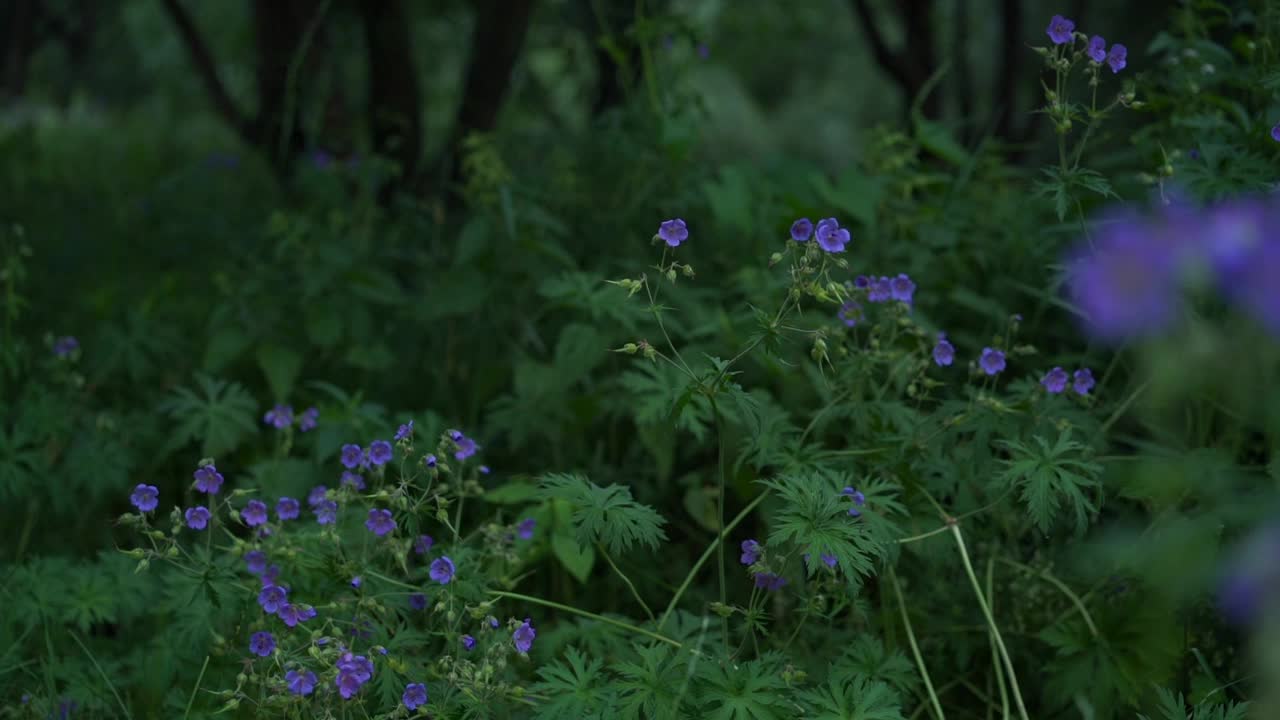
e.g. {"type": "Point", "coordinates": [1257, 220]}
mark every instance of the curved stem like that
{"type": "Point", "coordinates": [991, 622]}
{"type": "Point", "coordinates": [626, 580]}
{"type": "Point", "coordinates": [915, 649]}
{"type": "Point", "coordinates": [1044, 575]}
{"type": "Point", "coordinates": [671, 606]}
{"type": "Point", "coordinates": [715, 411]}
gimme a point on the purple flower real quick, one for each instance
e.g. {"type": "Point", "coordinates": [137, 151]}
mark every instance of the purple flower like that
{"type": "Point", "coordinates": [317, 495]}
{"type": "Point", "coordinates": [850, 313]}
{"type": "Point", "coordinates": [468, 643]}
{"type": "Point", "coordinates": [308, 421]}
{"type": "Point", "coordinates": [254, 513]}
{"type": "Point", "coordinates": [418, 601]}
{"type": "Point", "coordinates": [65, 345]}
{"type": "Point", "coordinates": [829, 560]}
{"type": "Point", "coordinates": [415, 694]}
{"type": "Point", "coordinates": [1055, 381]}
{"type": "Point", "coordinates": [423, 544]}
{"type": "Point", "coordinates": [944, 353]}
{"type": "Point", "coordinates": [902, 288]}
{"type": "Point", "coordinates": [326, 512]}
{"type": "Point", "coordinates": [256, 561]}
{"type": "Point", "coordinates": [352, 480]}
{"type": "Point", "coordinates": [525, 529]}
{"type": "Point", "coordinates": [405, 431]}
{"type": "Point", "coordinates": [300, 683]}
{"type": "Point", "coordinates": [145, 497]}
{"type": "Point", "coordinates": [1126, 284]}
{"type": "Point", "coordinates": [197, 517]}
{"type": "Point", "coordinates": [261, 643]}
{"type": "Point", "coordinates": [380, 452]}
{"type": "Point", "coordinates": [1116, 58]}
{"type": "Point", "coordinates": [272, 598]}
{"type": "Point", "coordinates": [1252, 577]}
{"type": "Point", "coordinates": [769, 581]}
{"type": "Point", "coordinates": [442, 570]}
{"type": "Point", "coordinates": [831, 237]}
{"type": "Point", "coordinates": [1060, 29]}
{"type": "Point", "coordinates": [802, 230]}
{"type": "Point", "coordinates": [279, 417]}
{"type": "Point", "coordinates": [353, 672]}
{"type": "Point", "coordinates": [380, 522]}
{"type": "Point", "coordinates": [287, 509]}
{"type": "Point", "coordinates": [1256, 289]}
{"type": "Point", "coordinates": [992, 361]}
{"type": "Point", "coordinates": [673, 232]}
{"type": "Point", "coordinates": [466, 446]}
{"type": "Point", "coordinates": [1082, 381]}
{"type": "Point", "coordinates": [270, 575]}
{"type": "Point", "coordinates": [356, 582]}
{"type": "Point", "coordinates": [881, 290]}
{"type": "Point", "coordinates": [750, 552]}
{"type": "Point", "coordinates": [1097, 50]}
{"type": "Point", "coordinates": [704, 51]}
{"type": "Point", "coordinates": [862, 282]}
{"type": "Point", "coordinates": [292, 614]}
{"type": "Point", "coordinates": [351, 456]}
{"type": "Point", "coordinates": [493, 622]}
{"type": "Point", "coordinates": [429, 461]}
{"type": "Point", "coordinates": [1275, 132]}
{"type": "Point", "coordinates": [208, 479]}
{"type": "Point", "coordinates": [523, 636]}
{"type": "Point", "coordinates": [484, 469]}
{"type": "Point", "coordinates": [856, 495]}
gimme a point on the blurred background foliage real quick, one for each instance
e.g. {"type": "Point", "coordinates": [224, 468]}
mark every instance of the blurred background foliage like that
{"type": "Point", "coordinates": [402, 208]}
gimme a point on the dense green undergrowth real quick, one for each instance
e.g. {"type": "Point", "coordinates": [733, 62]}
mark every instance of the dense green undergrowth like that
{"type": "Point", "coordinates": [976, 438]}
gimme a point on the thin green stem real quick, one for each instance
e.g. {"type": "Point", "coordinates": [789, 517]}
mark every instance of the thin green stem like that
{"type": "Point", "coordinates": [199, 678]}
{"type": "Point", "coordinates": [915, 649]}
{"type": "Point", "coordinates": [1047, 577]}
{"type": "Point", "coordinates": [671, 606]}
{"type": "Point", "coordinates": [715, 411]}
{"type": "Point", "coordinates": [105, 679]}
{"type": "Point", "coordinates": [995, 654]}
{"type": "Point", "coordinates": [626, 580]}
{"type": "Point", "coordinates": [991, 621]}
{"type": "Point", "coordinates": [583, 613]}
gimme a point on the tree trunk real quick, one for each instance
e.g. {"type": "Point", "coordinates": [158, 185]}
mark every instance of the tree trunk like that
{"type": "Point", "coordinates": [496, 41]}
{"type": "Point", "coordinates": [21, 43]}
{"type": "Point", "coordinates": [395, 105]}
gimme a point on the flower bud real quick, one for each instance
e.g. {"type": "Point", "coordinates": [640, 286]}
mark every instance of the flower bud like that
{"type": "Point", "coordinates": [774, 259]}
{"type": "Point", "coordinates": [721, 609]}
{"type": "Point", "coordinates": [630, 348]}
{"type": "Point", "coordinates": [671, 274]}
{"type": "Point", "coordinates": [688, 271]}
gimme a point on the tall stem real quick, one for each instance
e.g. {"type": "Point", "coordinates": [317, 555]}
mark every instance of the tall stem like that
{"type": "Point", "coordinates": [991, 622]}
{"type": "Point", "coordinates": [724, 621]}
{"type": "Point", "coordinates": [915, 649]}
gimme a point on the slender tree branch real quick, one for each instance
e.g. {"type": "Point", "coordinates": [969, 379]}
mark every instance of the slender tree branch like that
{"type": "Point", "coordinates": [206, 68]}
{"type": "Point", "coordinates": [890, 61]}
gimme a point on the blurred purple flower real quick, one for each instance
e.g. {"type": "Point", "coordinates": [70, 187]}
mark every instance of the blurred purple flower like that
{"type": "Point", "coordinates": [802, 230]}
{"type": "Point", "coordinates": [944, 353]}
{"type": "Point", "coordinates": [352, 480]}
{"type": "Point", "coordinates": [1055, 381]}
{"type": "Point", "coordinates": [300, 683]}
{"type": "Point", "coordinates": [145, 497]}
{"type": "Point", "coordinates": [442, 570]}
{"type": "Point", "coordinates": [262, 643]}
{"type": "Point", "coordinates": [380, 452]}
{"type": "Point", "coordinates": [326, 512]}
{"type": "Point", "coordinates": [197, 517]}
{"type": "Point", "coordinates": [279, 417]}
{"type": "Point", "coordinates": [317, 495]}
{"type": "Point", "coordinates": [1060, 30]}
{"type": "Point", "coordinates": [287, 509]}
{"type": "Point", "coordinates": [673, 232]}
{"type": "Point", "coordinates": [423, 544]}
{"type": "Point", "coordinates": [881, 290]}
{"type": "Point", "coordinates": [405, 431]}
{"type": "Point", "coordinates": [1116, 57]}
{"type": "Point", "coordinates": [850, 313]}
{"type": "Point", "coordinates": [256, 561]}
{"type": "Point", "coordinates": [1126, 285]}
{"type": "Point", "coordinates": [1082, 381]}
{"type": "Point", "coordinates": [468, 643]}
{"type": "Point", "coordinates": [769, 581]}
{"type": "Point", "coordinates": [902, 288]}
{"type": "Point", "coordinates": [352, 455]}
{"type": "Point", "coordinates": [750, 552]}
{"type": "Point", "coordinates": [1097, 49]}
{"type": "Point", "coordinates": [254, 513]}
{"type": "Point", "coordinates": [992, 361]}
{"type": "Point", "coordinates": [308, 420]}
{"type": "Point", "coordinates": [415, 694]}
{"type": "Point", "coordinates": [523, 636]}
{"type": "Point", "coordinates": [380, 522]}
{"type": "Point", "coordinates": [65, 345]}
{"type": "Point", "coordinates": [208, 479]}
{"type": "Point", "coordinates": [525, 529]}
{"type": "Point", "coordinates": [831, 237]}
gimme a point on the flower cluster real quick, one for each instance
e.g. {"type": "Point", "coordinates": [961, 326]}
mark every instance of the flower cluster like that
{"type": "Point", "coordinates": [1127, 281]}
{"type": "Point", "coordinates": [1062, 32]}
{"type": "Point", "coordinates": [281, 417]}
{"type": "Point", "coordinates": [1055, 381]}
{"type": "Point", "coordinates": [828, 234]}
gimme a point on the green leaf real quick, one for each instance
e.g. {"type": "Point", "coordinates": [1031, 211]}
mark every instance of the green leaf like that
{"type": "Point", "coordinates": [855, 698]}
{"type": "Point", "coordinates": [605, 514]}
{"type": "Point", "coordinates": [281, 367]}
{"type": "Point", "coordinates": [575, 688]}
{"type": "Point", "coordinates": [577, 559]}
{"type": "Point", "coordinates": [220, 416]}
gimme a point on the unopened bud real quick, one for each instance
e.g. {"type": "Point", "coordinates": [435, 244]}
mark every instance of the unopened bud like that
{"type": "Point", "coordinates": [688, 271]}
{"type": "Point", "coordinates": [630, 348]}
{"type": "Point", "coordinates": [671, 274]}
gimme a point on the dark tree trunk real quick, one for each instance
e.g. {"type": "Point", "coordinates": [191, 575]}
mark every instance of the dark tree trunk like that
{"type": "Point", "coordinates": [1011, 48]}
{"type": "Point", "coordinates": [616, 65]}
{"type": "Point", "coordinates": [963, 72]}
{"type": "Point", "coordinates": [911, 66]}
{"type": "Point", "coordinates": [496, 41]}
{"type": "Point", "coordinates": [280, 28]}
{"type": "Point", "coordinates": [21, 42]}
{"type": "Point", "coordinates": [394, 99]}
